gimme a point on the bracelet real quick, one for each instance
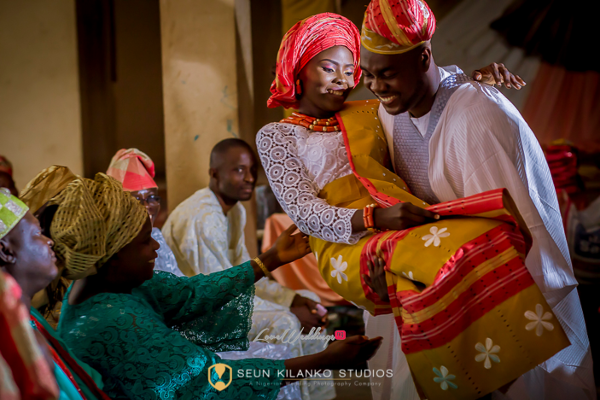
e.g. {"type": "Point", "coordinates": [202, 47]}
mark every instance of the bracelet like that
{"type": "Point", "coordinates": [264, 269]}
{"type": "Point", "coordinates": [368, 219]}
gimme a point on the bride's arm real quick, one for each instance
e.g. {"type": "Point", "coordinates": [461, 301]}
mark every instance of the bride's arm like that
{"type": "Point", "coordinates": [297, 192]}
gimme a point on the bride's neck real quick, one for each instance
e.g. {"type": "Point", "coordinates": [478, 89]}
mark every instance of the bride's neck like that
{"type": "Point", "coordinates": [312, 111]}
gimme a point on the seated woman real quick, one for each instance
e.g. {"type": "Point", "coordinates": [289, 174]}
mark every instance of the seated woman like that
{"type": "Point", "coordinates": [135, 170]}
{"type": "Point", "coordinates": [26, 254]}
{"type": "Point", "coordinates": [120, 318]}
{"type": "Point", "coordinates": [38, 195]}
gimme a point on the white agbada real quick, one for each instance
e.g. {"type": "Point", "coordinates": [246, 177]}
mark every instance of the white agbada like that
{"type": "Point", "coordinates": [482, 143]}
{"type": "Point", "coordinates": [205, 240]}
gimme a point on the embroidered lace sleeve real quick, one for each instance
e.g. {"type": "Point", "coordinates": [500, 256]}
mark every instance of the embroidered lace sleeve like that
{"type": "Point", "coordinates": [212, 310]}
{"type": "Point", "coordinates": [126, 340]}
{"type": "Point", "coordinates": [297, 191]}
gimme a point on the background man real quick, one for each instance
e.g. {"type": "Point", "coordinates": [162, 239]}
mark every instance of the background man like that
{"type": "Point", "coordinates": [206, 234]}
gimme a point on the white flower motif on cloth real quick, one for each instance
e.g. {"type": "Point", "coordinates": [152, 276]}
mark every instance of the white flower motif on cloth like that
{"type": "Point", "coordinates": [444, 379]}
{"type": "Point", "coordinates": [435, 235]}
{"type": "Point", "coordinates": [409, 275]}
{"type": "Point", "coordinates": [487, 353]}
{"type": "Point", "coordinates": [539, 320]}
{"type": "Point", "coordinates": [339, 266]}
{"type": "Point", "coordinates": [298, 164]}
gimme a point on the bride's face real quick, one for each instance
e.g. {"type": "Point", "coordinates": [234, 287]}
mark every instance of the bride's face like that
{"type": "Point", "coordinates": [327, 80]}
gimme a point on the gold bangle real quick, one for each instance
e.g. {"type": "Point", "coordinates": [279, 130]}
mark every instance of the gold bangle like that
{"type": "Point", "coordinates": [264, 269]}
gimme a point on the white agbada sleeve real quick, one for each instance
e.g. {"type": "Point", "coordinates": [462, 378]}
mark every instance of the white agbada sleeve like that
{"type": "Point", "coordinates": [482, 143]}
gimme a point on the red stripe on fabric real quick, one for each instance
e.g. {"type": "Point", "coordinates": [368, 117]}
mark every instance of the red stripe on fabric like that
{"type": "Point", "coordinates": [64, 354]}
{"type": "Point", "coordinates": [9, 350]}
{"type": "Point", "coordinates": [504, 276]}
{"type": "Point", "coordinates": [383, 311]}
{"type": "Point", "coordinates": [482, 297]}
{"type": "Point", "coordinates": [476, 204]}
{"type": "Point", "coordinates": [368, 253]}
{"type": "Point", "coordinates": [466, 258]}
{"type": "Point", "coordinates": [66, 370]}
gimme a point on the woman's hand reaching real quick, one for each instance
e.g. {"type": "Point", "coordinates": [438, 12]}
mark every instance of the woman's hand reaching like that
{"type": "Point", "coordinates": [498, 74]}
{"type": "Point", "coordinates": [287, 248]}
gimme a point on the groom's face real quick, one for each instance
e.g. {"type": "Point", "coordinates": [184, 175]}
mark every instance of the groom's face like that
{"type": "Point", "coordinates": [397, 80]}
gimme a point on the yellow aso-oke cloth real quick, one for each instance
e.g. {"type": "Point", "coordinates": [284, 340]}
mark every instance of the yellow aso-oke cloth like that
{"type": "Point", "coordinates": [45, 186]}
{"type": "Point", "coordinates": [396, 26]}
{"type": "Point", "coordinates": [94, 220]}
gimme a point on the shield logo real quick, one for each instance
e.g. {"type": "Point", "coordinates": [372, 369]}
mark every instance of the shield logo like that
{"type": "Point", "coordinates": [219, 370]}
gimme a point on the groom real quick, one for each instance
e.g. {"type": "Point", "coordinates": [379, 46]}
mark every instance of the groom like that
{"type": "Point", "coordinates": [449, 138]}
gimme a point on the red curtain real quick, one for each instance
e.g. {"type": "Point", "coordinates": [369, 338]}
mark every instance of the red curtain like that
{"type": "Point", "coordinates": [565, 104]}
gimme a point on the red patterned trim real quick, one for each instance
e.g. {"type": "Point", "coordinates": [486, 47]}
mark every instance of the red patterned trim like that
{"type": "Point", "coordinates": [75, 367]}
{"type": "Point", "coordinates": [428, 335]}
{"type": "Point", "coordinates": [476, 204]}
{"type": "Point", "coordinates": [467, 258]}
{"type": "Point", "coordinates": [382, 199]}
{"type": "Point", "coordinates": [481, 297]}
{"type": "Point", "coordinates": [369, 251]}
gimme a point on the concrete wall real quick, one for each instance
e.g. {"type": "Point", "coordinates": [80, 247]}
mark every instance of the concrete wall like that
{"type": "Point", "coordinates": [138, 87]}
{"type": "Point", "coordinates": [40, 120]}
{"type": "Point", "coordinates": [199, 88]}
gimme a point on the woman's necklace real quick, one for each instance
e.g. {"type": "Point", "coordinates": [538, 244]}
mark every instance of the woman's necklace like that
{"type": "Point", "coordinates": [312, 123]}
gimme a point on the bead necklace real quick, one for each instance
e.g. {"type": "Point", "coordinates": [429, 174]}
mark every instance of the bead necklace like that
{"type": "Point", "coordinates": [312, 123]}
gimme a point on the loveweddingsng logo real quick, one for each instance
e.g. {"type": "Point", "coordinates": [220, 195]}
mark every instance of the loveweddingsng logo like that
{"type": "Point", "coordinates": [289, 336]}
{"type": "Point", "coordinates": [219, 370]}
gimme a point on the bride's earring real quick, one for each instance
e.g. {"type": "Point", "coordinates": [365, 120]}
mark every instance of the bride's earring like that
{"type": "Point", "coordinates": [298, 87]}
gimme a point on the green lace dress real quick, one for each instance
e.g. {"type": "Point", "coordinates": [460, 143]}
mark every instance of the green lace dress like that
{"type": "Point", "coordinates": [160, 341]}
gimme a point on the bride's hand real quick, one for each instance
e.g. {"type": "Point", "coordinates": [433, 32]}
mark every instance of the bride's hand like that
{"type": "Point", "coordinates": [498, 74]}
{"type": "Point", "coordinates": [376, 278]}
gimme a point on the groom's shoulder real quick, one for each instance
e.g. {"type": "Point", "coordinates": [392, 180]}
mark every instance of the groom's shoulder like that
{"type": "Point", "coordinates": [473, 94]}
{"type": "Point", "coordinates": [474, 102]}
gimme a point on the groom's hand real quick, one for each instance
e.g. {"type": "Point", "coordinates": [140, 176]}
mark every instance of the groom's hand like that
{"type": "Point", "coordinates": [403, 216]}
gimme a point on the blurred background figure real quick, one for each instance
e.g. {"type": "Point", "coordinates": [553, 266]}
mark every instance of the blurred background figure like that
{"type": "Point", "coordinates": [6, 176]}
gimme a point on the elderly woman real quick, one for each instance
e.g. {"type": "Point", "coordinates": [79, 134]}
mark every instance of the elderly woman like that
{"type": "Point", "coordinates": [135, 170]}
{"type": "Point", "coordinates": [120, 317]}
{"type": "Point", "coordinates": [38, 195]}
{"type": "Point", "coordinates": [26, 254]}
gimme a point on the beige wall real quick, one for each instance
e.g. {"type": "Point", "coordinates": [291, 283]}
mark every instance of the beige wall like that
{"type": "Point", "coordinates": [199, 88]}
{"type": "Point", "coordinates": [137, 90]}
{"type": "Point", "coordinates": [39, 91]}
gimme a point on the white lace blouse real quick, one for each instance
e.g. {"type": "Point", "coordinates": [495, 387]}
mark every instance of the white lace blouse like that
{"type": "Point", "coordinates": [298, 164]}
